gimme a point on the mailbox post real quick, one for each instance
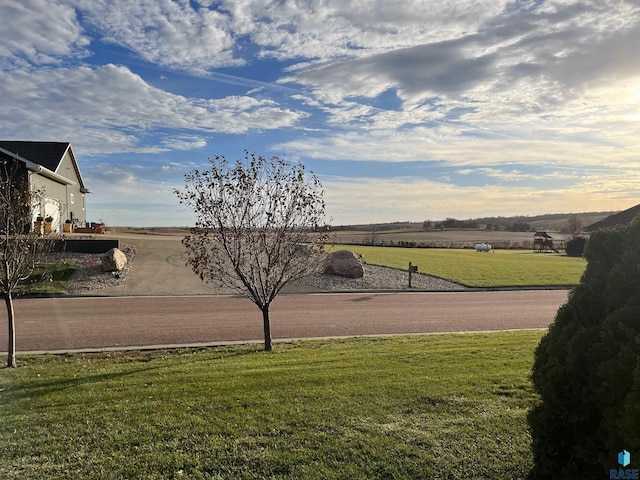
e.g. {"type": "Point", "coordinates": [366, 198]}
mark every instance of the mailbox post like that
{"type": "Point", "coordinates": [412, 269]}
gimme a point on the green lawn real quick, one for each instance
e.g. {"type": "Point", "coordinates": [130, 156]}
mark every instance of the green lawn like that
{"type": "Point", "coordinates": [433, 406]}
{"type": "Point", "coordinates": [48, 279]}
{"type": "Point", "coordinates": [499, 268]}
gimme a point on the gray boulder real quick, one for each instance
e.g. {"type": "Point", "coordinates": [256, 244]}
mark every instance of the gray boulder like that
{"type": "Point", "coordinates": [114, 260]}
{"type": "Point", "coordinates": [343, 263]}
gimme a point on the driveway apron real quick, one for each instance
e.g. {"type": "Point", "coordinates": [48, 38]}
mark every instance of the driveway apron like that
{"type": "Point", "coordinates": [159, 268]}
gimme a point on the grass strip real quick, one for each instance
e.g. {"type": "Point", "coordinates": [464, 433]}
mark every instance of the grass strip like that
{"type": "Point", "coordinates": [47, 279]}
{"type": "Point", "coordinates": [433, 406]}
{"type": "Point", "coordinates": [499, 268]}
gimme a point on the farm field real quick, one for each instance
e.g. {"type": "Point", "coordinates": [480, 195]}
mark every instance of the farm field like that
{"type": "Point", "coordinates": [431, 406]}
{"type": "Point", "coordinates": [458, 238]}
{"type": "Point", "coordinates": [499, 268]}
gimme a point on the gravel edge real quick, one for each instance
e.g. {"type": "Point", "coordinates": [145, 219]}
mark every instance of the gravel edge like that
{"type": "Point", "coordinates": [89, 277]}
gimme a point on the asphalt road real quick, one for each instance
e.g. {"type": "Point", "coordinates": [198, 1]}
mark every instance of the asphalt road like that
{"type": "Point", "coordinates": [58, 324]}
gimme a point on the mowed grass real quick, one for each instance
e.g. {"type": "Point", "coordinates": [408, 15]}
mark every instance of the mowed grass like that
{"type": "Point", "coordinates": [433, 406]}
{"type": "Point", "coordinates": [499, 268]}
{"type": "Point", "coordinates": [47, 279]}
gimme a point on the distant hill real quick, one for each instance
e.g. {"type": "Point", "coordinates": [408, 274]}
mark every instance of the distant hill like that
{"type": "Point", "coordinates": [554, 222]}
{"type": "Point", "coordinates": [381, 227]}
{"type": "Point", "coordinates": [551, 221]}
{"type": "Point", "coordinates": [153, 230]}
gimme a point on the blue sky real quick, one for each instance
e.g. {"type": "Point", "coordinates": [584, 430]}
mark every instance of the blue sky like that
{"type": "Point", "coordinates": [406, 110]}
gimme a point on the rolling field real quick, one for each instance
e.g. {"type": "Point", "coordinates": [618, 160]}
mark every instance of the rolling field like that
{"type": "Point", "coordinates": [457, 238]}
{"type": "Point", "coordinates": [499, 268]}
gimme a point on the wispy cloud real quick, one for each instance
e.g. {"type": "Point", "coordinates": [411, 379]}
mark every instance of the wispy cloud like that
{"type": "Point", "coordinates": [165, 32]}
{"type": "Point", "coordinates": [458, 145]}
{"type": "Point", "coordinates": [111, 109]}
{"type": "Point", "coordinates": [370, 200]}
{"type": "Point", "coordinates": [509, 98]}
{"type": "Point", "coordinates": [40, 32]}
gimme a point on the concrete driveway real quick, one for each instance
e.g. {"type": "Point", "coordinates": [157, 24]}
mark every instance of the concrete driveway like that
{"type": "Point", "coordinates": [159, 268]}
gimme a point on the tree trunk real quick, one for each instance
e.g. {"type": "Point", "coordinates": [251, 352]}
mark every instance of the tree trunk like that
{"type": "Point", "coordinates": [11, 356]}
{"type": "Point", "coordinates": [267, 328]}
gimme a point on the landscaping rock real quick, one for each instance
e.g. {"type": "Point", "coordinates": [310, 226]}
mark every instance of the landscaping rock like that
{"type": "Point", "coordinates": [113, 261]}
{"type": "Point", "coordinates": [343, 263]}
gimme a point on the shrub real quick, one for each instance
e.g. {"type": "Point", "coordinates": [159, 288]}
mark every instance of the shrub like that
{"type": "Point", "coordinates": [575, 246]}
{"type": "Point", "coordinates": [587, 367]}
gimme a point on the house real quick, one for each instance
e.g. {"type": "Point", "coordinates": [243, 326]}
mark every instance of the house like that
{"type": "Point", "coordinates": [52, 168]}
{"type": "Point", "coordinates": [616, 219]}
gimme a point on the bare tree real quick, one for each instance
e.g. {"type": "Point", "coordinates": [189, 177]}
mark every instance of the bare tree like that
{"type": "Point", "coordinates": [374, 235]}
{"type": "Point", "coordinates": [574, 225]}
{"type": "Point", "coordinates": [258, 225]}
{"type": "Point", "coordinates": [20, 248]}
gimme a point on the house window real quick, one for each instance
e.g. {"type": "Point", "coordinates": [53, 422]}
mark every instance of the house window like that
{"type": "Point", "coordinates": [71, 198]}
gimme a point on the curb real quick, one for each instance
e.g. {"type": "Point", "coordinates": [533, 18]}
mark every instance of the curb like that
{"type": "Point", "coordinates": [231, 343]}
{"type": "Point", "coordinates": [323, 292]}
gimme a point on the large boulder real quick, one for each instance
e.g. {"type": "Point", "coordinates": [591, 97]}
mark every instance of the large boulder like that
{"type": "Point", "coordinates": [114, 260]}
{"type": "Point", "coordinates": [343, 263]}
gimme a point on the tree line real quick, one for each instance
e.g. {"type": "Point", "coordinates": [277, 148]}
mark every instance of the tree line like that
{"type": "Point", "coordinates": [453, 223]}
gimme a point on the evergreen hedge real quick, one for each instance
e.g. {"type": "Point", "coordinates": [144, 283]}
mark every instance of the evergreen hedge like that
{"type": "Point", "coordinates": [587, 367]}
{"type": "Point", "coordinates": [575, 247]}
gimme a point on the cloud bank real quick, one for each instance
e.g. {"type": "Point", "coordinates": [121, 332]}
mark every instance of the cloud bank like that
{"type": "Point", "coordinates": [508, 91]}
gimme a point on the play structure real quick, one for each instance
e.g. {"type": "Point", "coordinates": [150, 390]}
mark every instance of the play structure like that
{"type": "Point", "coordinates": [543, 242]}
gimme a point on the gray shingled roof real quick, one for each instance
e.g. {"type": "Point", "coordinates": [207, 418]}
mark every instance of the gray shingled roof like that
{"type": "Point", "coordinates": [621, 218]}
{"type": "Point", "coordinates": [45, 154]}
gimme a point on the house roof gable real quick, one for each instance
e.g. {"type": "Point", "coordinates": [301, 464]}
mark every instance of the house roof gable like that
{"type": "Point", "coordinates": [46, 154]}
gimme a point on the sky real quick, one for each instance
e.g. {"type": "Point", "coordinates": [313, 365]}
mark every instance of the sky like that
{"type": "Point", "coordinates": [405, 110]}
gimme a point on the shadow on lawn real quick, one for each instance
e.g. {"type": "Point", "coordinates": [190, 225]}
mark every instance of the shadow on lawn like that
{"type": "Point", "coordinates": [40, 387]}
{"type": "Point", "coordinates": [34, 388]}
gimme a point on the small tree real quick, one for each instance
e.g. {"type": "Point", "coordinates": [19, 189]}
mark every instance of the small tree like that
{"type": "Point", "coordinates": [575, 246]}
{"type": "Point", "coordinates": [374, 234]}
{"type": "Point", "coordinates": [257, 226]}
{"type": "Point", "coordinates": [574, 225]}
{"type": "Point", "coordinates": [20, 248]}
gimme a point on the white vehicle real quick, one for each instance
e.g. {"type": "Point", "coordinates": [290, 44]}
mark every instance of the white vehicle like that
{"type": "Point", "coordinates": [483, 247]}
